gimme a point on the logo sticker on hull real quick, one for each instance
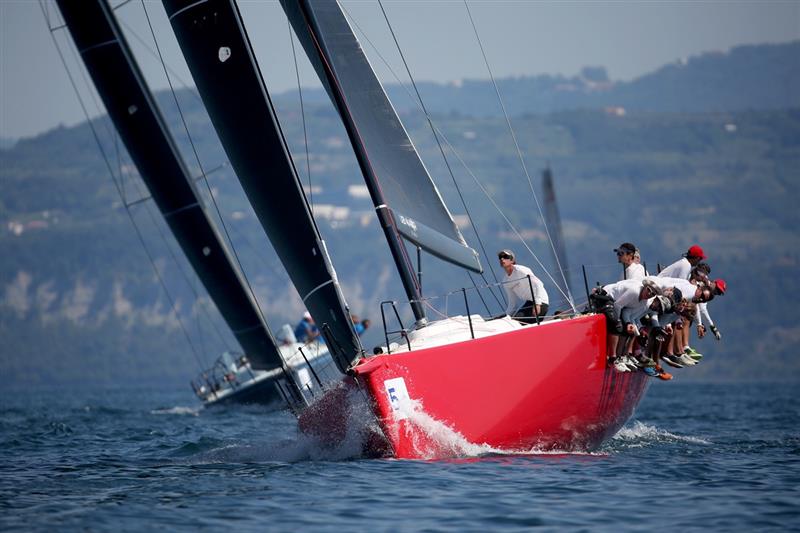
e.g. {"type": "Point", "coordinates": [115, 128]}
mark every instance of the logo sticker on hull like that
{"type": "Point", "coordinates": [398, 397]}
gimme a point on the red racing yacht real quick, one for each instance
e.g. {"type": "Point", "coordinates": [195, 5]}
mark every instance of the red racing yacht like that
{"type": "Point", "coordinates": [491, 382]}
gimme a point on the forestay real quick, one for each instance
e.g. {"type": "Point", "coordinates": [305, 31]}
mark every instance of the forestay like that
{"type": "Point", "coordinates": [396, 177]}
{"type": "Point", "coordinates": [136, 117]}
{"type": "Point", "coordinates": [218, 53]}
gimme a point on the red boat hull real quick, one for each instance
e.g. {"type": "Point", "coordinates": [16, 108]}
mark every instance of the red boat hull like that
{"type": "Point", "coordinates": [534, 389]}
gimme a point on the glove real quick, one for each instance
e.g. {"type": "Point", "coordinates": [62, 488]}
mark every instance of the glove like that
{"type": "Point", "coordinates": [717, 334]}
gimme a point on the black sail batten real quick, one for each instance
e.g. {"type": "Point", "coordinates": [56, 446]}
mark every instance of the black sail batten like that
{"type": "Point", "coordinates": [392, 168]}
{"type": "Point", "coordinates": [218, 52]}
{"type": "Point", "coordinates": [143, 130]}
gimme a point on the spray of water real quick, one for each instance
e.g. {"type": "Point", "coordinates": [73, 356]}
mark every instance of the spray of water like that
{"type": "Point", "coordinates": [640, 435]}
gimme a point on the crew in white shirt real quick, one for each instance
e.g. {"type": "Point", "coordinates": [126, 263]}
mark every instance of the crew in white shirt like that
{"type": "Point", "coordinates": [719, 289]}
{"type": "Point", "coordinates": [517, 283]}
{"type": "Point", "coordinates": [626, 294]}
{"type": "Point", "coordinates": [683, 267]}
{"type": "Point", "coordinates": [626, 255]}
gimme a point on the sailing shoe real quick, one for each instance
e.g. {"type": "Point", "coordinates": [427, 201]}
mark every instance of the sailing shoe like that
{"type": "Point", "coordinates": [633, 364]}
{"type": "Point", "coordinates": [650, 371]}
{"type": "Point", "coordinates": [660, 374]}
{"type": "Point", "coordinates": [694, 354]}
{"type": "Point", "coordinates": [664, 376]}
{"type": "Point", "coordinates": [672, 360]}
{"type": "Point", "coordinates": [620, 366]}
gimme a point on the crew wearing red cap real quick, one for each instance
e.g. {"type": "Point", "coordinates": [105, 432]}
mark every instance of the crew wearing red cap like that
{"type": "Point", "coordinates": [683, 266]}
{"type": "Point", "coordinates": [719, 287]}
{"type": "Point", "coordinates": [684, 285]}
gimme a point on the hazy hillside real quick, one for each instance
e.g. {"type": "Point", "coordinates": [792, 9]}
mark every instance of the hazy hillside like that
{"type": "Point", "coordinates": [746, 77]}
{"type": "Point", "coordinates": [79, 299]}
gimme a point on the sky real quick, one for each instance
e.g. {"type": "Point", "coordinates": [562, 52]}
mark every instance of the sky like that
{"type": "Point", "coordinates": [629, 38]}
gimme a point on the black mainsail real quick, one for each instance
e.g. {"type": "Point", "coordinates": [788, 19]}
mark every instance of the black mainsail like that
{"type": "Point", "coordinates": [406, 199]}
{"type": "Point", "coordinates": [135, 115]}
{"type": "Point", "coordinates": [217, 49]}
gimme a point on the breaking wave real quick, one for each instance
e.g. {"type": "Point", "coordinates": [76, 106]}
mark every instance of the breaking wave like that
{"type": "Point", "coordinates": [177, 410]}
{"type": "Point", "coordinates": [640, 434]}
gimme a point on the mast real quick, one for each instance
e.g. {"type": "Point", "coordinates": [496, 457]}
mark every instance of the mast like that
{"type": "Point", "coordinates": [133, 110]}
{"type": "Point", "coordinates": [218, 52]}
{"type": "Point", "coordinates": [553, 220]}
{"type": "Point", "coordinates": [405, 198]}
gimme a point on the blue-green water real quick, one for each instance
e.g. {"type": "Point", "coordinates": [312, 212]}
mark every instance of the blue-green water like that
{"type": "Point", "coordinates": [720, 457]}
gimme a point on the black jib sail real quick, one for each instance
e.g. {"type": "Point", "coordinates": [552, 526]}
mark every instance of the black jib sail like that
{"type": "Point", "coordinates": [218, 52]}
{"type": "Point", "coordinates": [136, 117]}
{"type": "Point", "coordinates": [397, 179]}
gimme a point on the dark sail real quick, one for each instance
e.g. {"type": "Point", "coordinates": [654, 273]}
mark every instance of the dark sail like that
{"type": "Point", "coordinates": [137, 119]}
{"type": "Point", "coordinates": [394, 172]}
{"type": "Point", "coordinates": [553, 221]}
{"type": "Point", "coordinates": [217, 50]}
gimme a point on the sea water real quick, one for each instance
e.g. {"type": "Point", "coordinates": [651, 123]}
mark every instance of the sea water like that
{"type": "Point", "coordinates": [695, 456]}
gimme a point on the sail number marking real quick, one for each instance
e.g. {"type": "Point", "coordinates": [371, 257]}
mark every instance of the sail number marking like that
{"type": "Point", "coordinates": [397, 393]}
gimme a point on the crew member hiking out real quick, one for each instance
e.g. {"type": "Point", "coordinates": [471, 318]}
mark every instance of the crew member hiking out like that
{"type": "Point", "coordinates": [683, 266]}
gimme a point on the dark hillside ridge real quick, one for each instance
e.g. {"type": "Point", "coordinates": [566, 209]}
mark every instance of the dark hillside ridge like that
{"type": "Point", "coordinates": [750, 77]}
{"type": "Point", "coordinates": [79, 299]}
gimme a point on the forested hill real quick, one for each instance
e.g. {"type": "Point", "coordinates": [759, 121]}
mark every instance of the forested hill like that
{"type": "Point", "coordinates": [747, 77]}
{"type": "Point", "coordinates": [79, 300]}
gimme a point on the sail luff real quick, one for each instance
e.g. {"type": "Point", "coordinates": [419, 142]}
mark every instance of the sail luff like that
{"type": "Point", "coordinates": [398, 181]}
{"type": "Point", "coordinates": [385, 215]}
{"type": "Point", "coordinates": [217, 49]}
{"type": "Point", "coordinates": [135, 115]}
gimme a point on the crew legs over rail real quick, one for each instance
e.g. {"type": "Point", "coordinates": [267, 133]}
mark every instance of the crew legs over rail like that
{"type": "Point", "coordinates": [649, 318]}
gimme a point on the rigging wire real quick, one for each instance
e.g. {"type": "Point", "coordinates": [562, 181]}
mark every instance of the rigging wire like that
{"type": "Point", "coordinates": [192, 90]}
{"type": "Point", "coordinates": [303, 115]}
{"type": "Point", "coordinates": [444, 157]}
{"type": "Point", "coordinates": [124, 2]}
{"type": "Point", "coordinates": [111, 132]}
{"type": "Point", "coordinates": [464, 164]}
{"type": "Point", "coordinates": [186, 277]}
{"type": "Point", "coordinates": [110, 168]}
{"type": "Point", "coordinates": [420, 103]}
{"type": "Point", "coordinates": [519, 151]}
{"type": "Point", "coordinates": [284, 367]}
{"type": "Point", "coordinates": [510, 224]}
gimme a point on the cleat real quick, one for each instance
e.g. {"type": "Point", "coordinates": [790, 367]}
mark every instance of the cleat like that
{"type": "Point", "coordinates": [673, 361]}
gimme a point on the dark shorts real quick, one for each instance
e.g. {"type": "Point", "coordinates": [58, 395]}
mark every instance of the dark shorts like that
{"type": "Point", "coordinates": [525, 313]}
{"type": "Point", "coordinates": [603, 304]}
